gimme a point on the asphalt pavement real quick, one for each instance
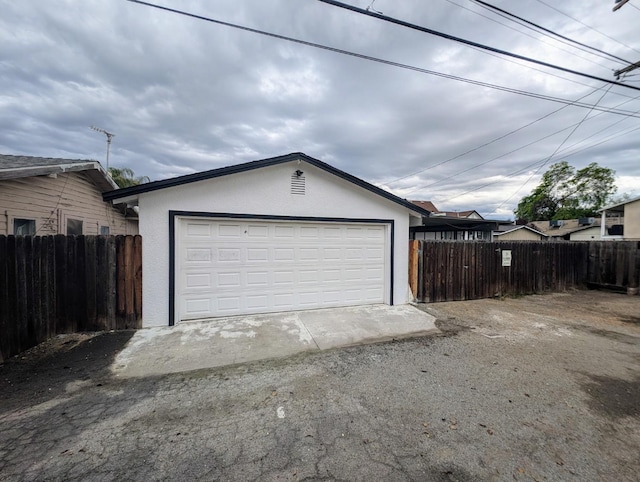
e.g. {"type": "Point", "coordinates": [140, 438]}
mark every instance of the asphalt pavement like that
{"type": "Point", "coordinates": [535, 388]}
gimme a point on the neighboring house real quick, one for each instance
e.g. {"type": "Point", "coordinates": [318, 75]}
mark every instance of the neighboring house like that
{"type": "Point", "coordinates": [583, 229]}
{"type": "Point", "coordinates": [429, 206]}
{"type": "Point", "coordinates": [452, 225]}
{"type": "Point", "coordinates": [280, 234]}
{"type": "Point", "coordinates": [42, 196]}
{"type": "Point", "coordinates": [518, 233]}
{"type": "Point", "coordinates": [621, 221]}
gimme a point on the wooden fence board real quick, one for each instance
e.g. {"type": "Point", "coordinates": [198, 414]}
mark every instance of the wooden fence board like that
{"type": "Point", "coordinates": [4, 300]}
{"type": "Point", "coordinates": [137, 290]}
{"type": "Point", "coordinates": [59, 284]}
{"type": "Point", "coordinates": [452, 271]}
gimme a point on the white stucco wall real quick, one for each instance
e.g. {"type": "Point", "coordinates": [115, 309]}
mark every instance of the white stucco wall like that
{"type": "Point", "coordinates": [591, 234]}
{"type": "Point", "coordinates": [261, 191]}
{"type": "Point", "coordinates": [632, 220]}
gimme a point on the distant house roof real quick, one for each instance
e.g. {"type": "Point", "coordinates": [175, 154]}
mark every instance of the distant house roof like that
{"type": "Point", "coordinates": [568, 226]}
{"type": "Point", "coordinates": [613, 207]}
{"type": "Point", "coordinates": [134, 191]}
{"type": "Point", "coordinates": [428, 205]}
{"type": "Point", "coordinates": [516, 228]}
{"type": "Point", "coordinates": [460, 214]}
{"type": "Point", "coordinates": [15, 167]}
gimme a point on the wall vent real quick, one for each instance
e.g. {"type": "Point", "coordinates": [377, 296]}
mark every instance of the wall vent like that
{"type": "Point", "coordinates": [298, 183]}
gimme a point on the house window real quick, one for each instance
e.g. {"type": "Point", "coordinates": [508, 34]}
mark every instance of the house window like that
{"type": "Point", "coordinates": [74, 227]}
{"type": "Point", "coordinates": [24, 227]}
{"type": "Point", "coordinates": [104, 230]}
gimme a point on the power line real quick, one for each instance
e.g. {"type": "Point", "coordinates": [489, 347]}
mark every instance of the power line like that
{"type": "Point", "coordinates": [394, 64]}
{"type": "Point", "coordinates": [412, 26]}
{"type": "Point", "coordinates": [487, 144]}
{"type": "Point", "coordinates": [575, 126]}
{"type": "Point", "coordinates": [475, 166]}
{"type": "Point", "coordinates": [532, 36]}
{"type": "Point", "coordinates": [553, 154]}
{"type": "Point", "coordinates": [511, 174]}
{"type": "Point", "coordinates": [530, 67]}
{"type": "Point", "coordinates": [509, 14]}
{"type": "Point", "coordinates": [588, 26]}
{"type": "Point", "coordinates": [528, 166]}
{"type": "Point", "coordinates": [610, 138]}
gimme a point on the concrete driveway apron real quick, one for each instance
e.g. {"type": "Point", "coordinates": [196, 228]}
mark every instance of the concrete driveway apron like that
{"type": "Point", "coordinates": [226, 341]}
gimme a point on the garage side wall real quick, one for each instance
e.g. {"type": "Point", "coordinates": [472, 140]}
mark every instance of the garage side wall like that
{"type": "Point", "coordinates": [266, 191]}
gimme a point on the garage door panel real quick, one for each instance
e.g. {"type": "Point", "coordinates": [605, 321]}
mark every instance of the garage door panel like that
{"type": "Point", "coordinates": [198, 229]}
{"type": "Point", "coordinates": [199, 255]}
{"type": "Point", "coordinates": [228, 230]}
{"type": "Point", "coordinates": [257, 255]}
{"type": "Point", "coordinates": [255, 267]}
{"type": "Point", "coordinates": [312, 232]}
{"type": "Point", "coordinates": [228, 304]}
{"type": "Point", "coordinates": [331, 275]}
{"type": "Point", "coordinates": [198, 280]}
{"type": "Point", "coordinates": [257, 231]}
{"type": "Point", "coordinates": [283, 277]}
{"type": "Point", "coordinates": [375, 254]}
{"type": "Point", "coordinates": [257, 278]}
{"type": "Point", "coordinates": [286, 232]}
{"type": "Point", "coordinates": [228, 255]}
{"type": "Point", "coordinates": [286, 255]}
{"type": "Point", "coordinates": [198, 306]}
{"type": "Point", "coordinates": [309, 276]}
{"type": "Point", "coordinates": [229, 280]}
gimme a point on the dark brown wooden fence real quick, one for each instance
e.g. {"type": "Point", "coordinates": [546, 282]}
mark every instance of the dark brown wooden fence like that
{"type": "Point", "coordinates": [614, 265]}
{"type": "Point", "coordinates": [62, 284]}
{"type": "Point", "coordinates": [453, 271]}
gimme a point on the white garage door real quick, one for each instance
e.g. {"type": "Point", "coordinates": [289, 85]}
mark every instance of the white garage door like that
{"type": "Point", "coordinates": [228, 267]}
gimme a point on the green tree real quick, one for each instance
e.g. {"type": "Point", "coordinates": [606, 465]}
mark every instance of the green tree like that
{"type": "Point", "coordinates": [125, 177]}
{"type": "Point", "coordinates": [565, 193]}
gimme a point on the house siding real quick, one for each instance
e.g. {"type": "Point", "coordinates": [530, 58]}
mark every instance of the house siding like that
{"type": "Point", "coordinates": [632, 221]}
{"type": "Point", "coordinates": [519, 235]}
{"type": "Point", "coordinates": [50, 201]}
{"type": "Point", "coordinates": [591, 234]}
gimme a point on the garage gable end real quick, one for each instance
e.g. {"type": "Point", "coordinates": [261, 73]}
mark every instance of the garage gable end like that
{"type": "Point", "coordinates": [134, 191]}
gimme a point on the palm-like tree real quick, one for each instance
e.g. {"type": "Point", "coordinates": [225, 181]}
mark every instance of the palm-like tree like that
{"type": "Point", "coordinates": [125, 177]}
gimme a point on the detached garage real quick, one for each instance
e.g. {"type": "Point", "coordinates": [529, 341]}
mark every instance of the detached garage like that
{"type": "Point", "coordinates": [280, 234]}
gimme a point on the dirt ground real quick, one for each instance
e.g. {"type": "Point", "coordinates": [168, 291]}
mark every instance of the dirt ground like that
{"type": "Point", "coordinates": [535, 388]}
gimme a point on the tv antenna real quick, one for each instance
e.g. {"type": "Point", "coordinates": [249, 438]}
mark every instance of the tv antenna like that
{"type": "Point", "coordinates": [109, 137]}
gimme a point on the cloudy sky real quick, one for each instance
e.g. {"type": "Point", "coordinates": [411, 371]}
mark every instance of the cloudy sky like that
{"type": "Point", "coordinates": [184, 95]}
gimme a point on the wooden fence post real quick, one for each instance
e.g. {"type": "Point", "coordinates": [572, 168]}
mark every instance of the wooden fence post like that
{"type": "Point", "coordinates": [413, 267]}
{"type": "Point", "coordinates": [137, 263]}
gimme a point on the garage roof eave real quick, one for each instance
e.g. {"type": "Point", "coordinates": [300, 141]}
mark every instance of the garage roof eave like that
{"type": "Point", "coordinates": [133, 192]}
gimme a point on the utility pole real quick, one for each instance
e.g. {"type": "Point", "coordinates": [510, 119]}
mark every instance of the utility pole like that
{"type": "Point", "coordinates": [618, 4]}
{"type": "Point", "coordinates": [109, 137]}
{"type": "Point", "coordinates": [628, 68]}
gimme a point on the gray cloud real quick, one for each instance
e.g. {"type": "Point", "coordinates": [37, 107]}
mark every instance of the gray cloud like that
{"type": "Point", "coordinates": [184, 95]}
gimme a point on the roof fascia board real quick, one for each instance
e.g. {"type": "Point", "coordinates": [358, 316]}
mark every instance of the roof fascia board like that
{"type": "Point", "coordinates": [606, 208]}
{"type": "Point", "coordinates": [92, 168]}
{"type": "Point", "coordinates": [18, 172]}
{"type": "Point", "coordinates": [249, 166]}
{"type": "Point", "coordinates": [522, 227]}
